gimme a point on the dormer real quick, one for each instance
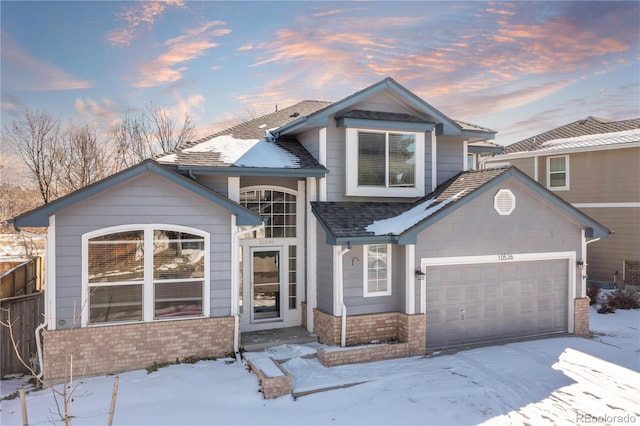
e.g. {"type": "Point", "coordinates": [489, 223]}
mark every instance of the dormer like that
{"type": "Point", "coordinates": [383, 142]}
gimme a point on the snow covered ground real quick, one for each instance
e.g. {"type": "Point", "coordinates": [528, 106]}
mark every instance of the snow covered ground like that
{"type": "Point", "coordinates": [559, 380]}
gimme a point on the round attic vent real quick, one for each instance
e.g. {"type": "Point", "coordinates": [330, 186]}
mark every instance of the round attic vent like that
{"type": "Point", "coordinates": [504, 202]}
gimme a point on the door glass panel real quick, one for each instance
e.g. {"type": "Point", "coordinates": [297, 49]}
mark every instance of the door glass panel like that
{"type": "Point", "coordinates": [266, 284]}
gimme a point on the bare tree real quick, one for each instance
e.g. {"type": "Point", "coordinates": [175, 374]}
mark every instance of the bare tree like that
{"type": "Point", "coordinates": [166, 133]}
{"type": "Point", "coordinates": [83, 159]}
{"type": "Point", "coordinates": [132, 141]}
{"type": "Point", "coordinates": [150, 132]}
{"type": "Point", "coordinates": [36, 138]}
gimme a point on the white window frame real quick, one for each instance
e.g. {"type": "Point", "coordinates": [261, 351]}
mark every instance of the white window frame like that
{"type": "Point", "coordinates": [148, 280]}
{"type": "Point", "coordinates": [353, 189]}
{"type": "Point", "coordinates": [365, 272]}
{"type": "Point", "coordinates": [566, 173]}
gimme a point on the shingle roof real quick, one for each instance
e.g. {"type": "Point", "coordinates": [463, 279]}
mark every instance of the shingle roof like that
{"type": "Point", "coordinates": [596, 140]}
{"type": "Point", "coordinates": [351, 219]}
{"type": "Point", "coordinates": [253, 130]}
{"type": "Point", "coordinates": [589, 126]}
{"type": "Point", "coordinates": [474, 127]}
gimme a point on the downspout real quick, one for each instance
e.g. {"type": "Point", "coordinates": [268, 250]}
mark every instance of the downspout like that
{"type": "Point", "coordinates": [235, 291]}
{"type": "Point", "coordinates": [45, 322]}
{"type": "Point", "coordinates": [343, 331]}
{"type": "Point", "coordinates": [583, 278]}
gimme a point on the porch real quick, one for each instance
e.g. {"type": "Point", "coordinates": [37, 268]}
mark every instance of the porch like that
{"type": "Point", "coordinates": [254, 341]}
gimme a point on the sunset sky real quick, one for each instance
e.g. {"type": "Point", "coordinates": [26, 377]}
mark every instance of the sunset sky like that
{"type": "Point", "coordinates": [517, 67]}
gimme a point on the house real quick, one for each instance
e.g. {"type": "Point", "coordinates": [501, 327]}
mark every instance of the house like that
{"type": "Point", "coordinates": [593, 164]}
{"type": "Point", "coordinates": [356, 219]}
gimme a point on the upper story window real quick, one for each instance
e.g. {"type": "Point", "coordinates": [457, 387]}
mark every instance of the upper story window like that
{"type": "Point", "coordinates": [277, 208]}
{"type": "Point", "coordinates": [377, 270]}
{"type": "Point", "coordinates": [146, 273]}
{"type": "Point", "coordinates": [385, 164]}
{"type": "Point", "coordinates": [558, 172]}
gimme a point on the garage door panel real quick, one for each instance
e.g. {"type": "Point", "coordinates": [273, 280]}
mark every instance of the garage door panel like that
{"type": "Point", "coordinates": [483, 302]}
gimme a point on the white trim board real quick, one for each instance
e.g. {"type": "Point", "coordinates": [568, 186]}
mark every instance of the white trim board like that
{"type": "Point", "coordinates": [606, 205]}
{"type": "Point", "coordinates": [496, 258]}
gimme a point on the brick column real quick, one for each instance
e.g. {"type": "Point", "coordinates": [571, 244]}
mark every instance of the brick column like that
{"type": "Point", "coordinates": [412, 330]}
{"type": "Point", "coordinates": [581, 317]}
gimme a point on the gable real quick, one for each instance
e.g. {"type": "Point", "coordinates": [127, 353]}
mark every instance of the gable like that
{"type": "Point", "coordinates": [39, 217]}
{"type": "Point", "coordinates": [363, 223]}
{"type": "Point", "coordinates": [388, 96]}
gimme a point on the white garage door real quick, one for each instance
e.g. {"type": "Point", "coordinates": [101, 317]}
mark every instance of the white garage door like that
{"type": "Point", "coordinates": [493, 301]}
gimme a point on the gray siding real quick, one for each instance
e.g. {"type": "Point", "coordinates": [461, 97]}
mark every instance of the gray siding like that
{"type": "Point", "coordinates": [311, 142]}
{"type": "Point", "coordinates": [357, 304]}
{"type": "Point", "coordinates": [606, 256]}
{"type": "Point", "coordinates": [220, 184]}
{"type": "Point", "coordinates": [324, 283]}
{"type": "Point", "coordinates": [477, 229]}
{"type": "Point", "coordinates": [336, 155]}
{"type": "Point", "coordinates": [449, 158]}
{"type": "Point", "coordinates": [147, 199]}
{"type": "Point", "coordinates": [269, 181]}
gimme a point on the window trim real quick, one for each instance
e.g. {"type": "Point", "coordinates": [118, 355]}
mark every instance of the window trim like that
{"type": "Point", "coordinates": [365, 272]}
{"type": "Point", "coordinates": [565, 187]}
{"type": "Point", "coordinates": [148, 282]}
{"type": "Point", "coordinates": [272, 188]}
{"type": "Point", "coordinates": [351, 164]}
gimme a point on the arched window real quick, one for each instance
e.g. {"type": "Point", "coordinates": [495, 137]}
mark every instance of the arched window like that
{"type": "Point", "coordinates": [145, 273]}
{"type": "Point", "coordinates": [276, 207]}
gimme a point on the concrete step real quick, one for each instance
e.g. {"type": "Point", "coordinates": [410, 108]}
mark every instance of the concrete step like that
{"type": "Point", "coordinates": [255, 341]}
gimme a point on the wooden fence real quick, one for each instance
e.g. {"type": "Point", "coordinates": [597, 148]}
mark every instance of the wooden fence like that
{"type": "Point", "coordinates": [26, 278]}
{"type": "Point", "coordinates": [27, 312]}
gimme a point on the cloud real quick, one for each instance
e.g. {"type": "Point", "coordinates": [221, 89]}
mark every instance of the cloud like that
{"type": "Point", "coordinates": [102, 113]}
{"type": "Point", "coordinates": [137, 18]}
{"type": "Point", "coordinates": [494, 56]}
{"type": "Point", "coordinates": [21, 71]}
{"type": "Point", "coordinates": [169, 66]}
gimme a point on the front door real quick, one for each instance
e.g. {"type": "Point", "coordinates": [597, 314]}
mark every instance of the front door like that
{"type": "Point", "coordinates": [266, 283]}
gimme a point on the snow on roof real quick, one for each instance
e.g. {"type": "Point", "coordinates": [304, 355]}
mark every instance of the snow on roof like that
{"type": "Point", "coordinates": [247, 152]}
{"type": "Point", "coordinates": [599, 139]}
{"type": "Point", "coordinates": [398, 224]}
{"type": "Point", "coordinates": [171, 158]}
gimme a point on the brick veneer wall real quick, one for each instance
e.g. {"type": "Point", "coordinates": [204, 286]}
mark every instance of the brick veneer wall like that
{"type": "Point", "coordinates": [581, 317]}
{"type": "Point", "coordinates": [117, 348]}
{"type": "Point", "coordinates": [362, 329]}
{"type": "Point", "coordinates": [273, 386]}
{"type": "Point", "coordinates": [631, 272]}
{"type": "Point", "coordinates": [332, 358]}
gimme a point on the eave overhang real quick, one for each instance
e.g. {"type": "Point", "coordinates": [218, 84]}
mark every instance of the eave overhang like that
{"type": "Point", "coordinates": [251, 171]}
{"type": "Point", "coordinates": [39, 217]}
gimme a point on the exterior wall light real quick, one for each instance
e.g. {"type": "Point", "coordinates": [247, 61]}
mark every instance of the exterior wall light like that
{"type": "Point", "coordinates": [420, 276]}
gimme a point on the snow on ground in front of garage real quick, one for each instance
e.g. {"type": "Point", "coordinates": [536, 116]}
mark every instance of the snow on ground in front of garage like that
{"type": "Point", "coordinates": [558, 380]}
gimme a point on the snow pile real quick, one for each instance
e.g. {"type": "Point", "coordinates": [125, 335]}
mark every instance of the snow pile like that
{"type": "Point", "coordinates": [557, 380]}
{"type": "Point", "coordinates": [245, 152]}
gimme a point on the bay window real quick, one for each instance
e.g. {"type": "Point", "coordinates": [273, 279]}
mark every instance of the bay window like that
{"type": "Point", "coordinates": [145, 273]}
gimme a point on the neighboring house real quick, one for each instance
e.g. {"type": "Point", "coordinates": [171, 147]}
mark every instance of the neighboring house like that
{"type": "Point", "coordinates": [360, 209]}
{"type": "Point", "coordinates": [594, 164]}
